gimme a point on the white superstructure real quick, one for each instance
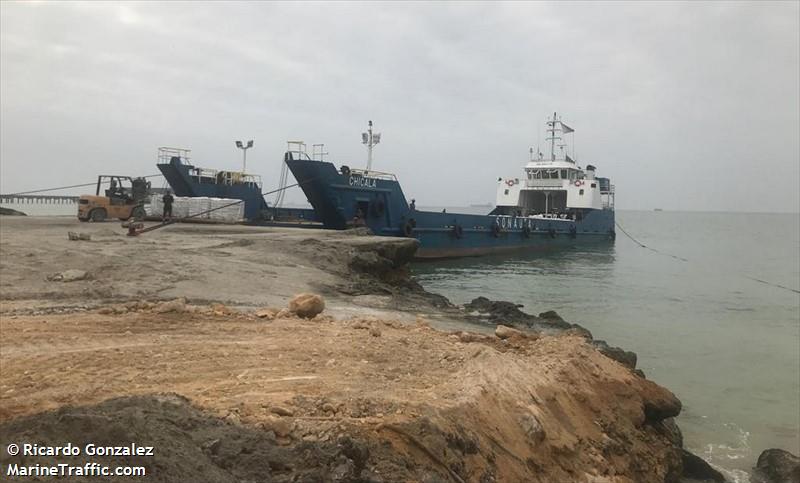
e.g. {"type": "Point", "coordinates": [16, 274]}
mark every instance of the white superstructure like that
{"type": "Point", "coordinates": [554, 187]}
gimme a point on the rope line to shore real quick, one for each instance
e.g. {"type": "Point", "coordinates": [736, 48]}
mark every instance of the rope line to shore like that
{"type": "Point", "coordinates": [172, 221]}
{"type": "Point", "coordinates": [647, 247]}
{"type": "Point", "coordinates": [68, 187]}
{"type": "Point", "coordinates": [765, 282]}
{"type": "Point", "coordinates": [772, 284]}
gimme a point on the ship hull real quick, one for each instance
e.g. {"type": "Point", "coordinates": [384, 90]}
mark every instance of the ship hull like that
{"type": "Point", "coordinates": [344, 199]}
{"type": "Point", "coordinates": [184, 183]}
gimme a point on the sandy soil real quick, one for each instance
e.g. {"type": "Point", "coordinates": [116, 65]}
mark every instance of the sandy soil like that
{"type": "Point", "coordinates": [236, 265]}
{"type": "Point", "coordinates": [367, 391]}
{"type": "Point", "coordinates": [481, 410]}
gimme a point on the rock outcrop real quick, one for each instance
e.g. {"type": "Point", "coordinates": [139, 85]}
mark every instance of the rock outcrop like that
{"type": "Point", "coordinates": [777, 466]}
{"type": "Point", "coordinates": [698, 469]}
{"type": "Point", "coordinates": [10, 212]}
{"type": "Point", "coordinates": [499, 312]}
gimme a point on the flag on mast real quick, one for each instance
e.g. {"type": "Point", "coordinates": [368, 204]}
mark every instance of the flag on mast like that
{"type": "Point", "coordinates": [566, 129]}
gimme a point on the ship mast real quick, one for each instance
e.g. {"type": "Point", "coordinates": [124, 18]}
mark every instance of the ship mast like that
{"type": "Point", "coordinates": [553, 137]}
{"type": "Point", "coordinates": [370, 139]}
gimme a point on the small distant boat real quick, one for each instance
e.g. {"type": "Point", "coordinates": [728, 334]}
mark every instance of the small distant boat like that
{"type": "Point", "coordinates": [657, 209]}
{"type": "Point", "coordinates": [554, 203]}
{"type": "Point", "coordinates": [480, 205]}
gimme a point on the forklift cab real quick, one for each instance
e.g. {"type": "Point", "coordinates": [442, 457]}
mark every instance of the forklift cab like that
{"type": "Point", "coordinates": [123, 198]}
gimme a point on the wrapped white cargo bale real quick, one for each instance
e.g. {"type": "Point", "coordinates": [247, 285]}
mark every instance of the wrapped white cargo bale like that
{"type": "Point", "coordinates": [229, 210]}
{"type": "Point", "coordinates": [155, 207]}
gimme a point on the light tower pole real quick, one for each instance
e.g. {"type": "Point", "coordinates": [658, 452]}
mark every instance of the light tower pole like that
{"type": "Point", "coordinates": [370, 139]}
{"type": "Point", "coordinates": [244, 149]}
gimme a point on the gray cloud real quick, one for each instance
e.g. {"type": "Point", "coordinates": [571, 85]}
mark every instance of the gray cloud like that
{"type": "Point", "coordinates": [685, 105]}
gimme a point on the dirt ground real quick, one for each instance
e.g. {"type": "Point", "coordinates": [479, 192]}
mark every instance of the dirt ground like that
{"type": "Point", "coordinates": [367, 391]}
{"type": "Point", "coordinates": [470, 408]}
{"type": "Point", "coordinates": [237, 265]}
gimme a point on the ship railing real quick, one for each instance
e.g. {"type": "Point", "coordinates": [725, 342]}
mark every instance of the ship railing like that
{"type": "Point", "coordinates": [166, 153]}
{"type": "Point", "coordinates": [607, 198]}
{"type": "Point", "coordinates": [214, 176]}
{"type": "Point", "coordinates": [374, 174]}
{"type": "Point", "coordinates": [297, 154]}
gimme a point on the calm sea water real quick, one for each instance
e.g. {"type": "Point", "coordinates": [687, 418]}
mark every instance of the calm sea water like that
{"type": "Point", "coordinates": [728, 346]}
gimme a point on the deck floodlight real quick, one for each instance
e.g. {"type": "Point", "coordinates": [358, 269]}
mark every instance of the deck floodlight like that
{"type": "Point", "coordinates": [239, 145]}
{"type": "Point", "coordinates": [250, 143]}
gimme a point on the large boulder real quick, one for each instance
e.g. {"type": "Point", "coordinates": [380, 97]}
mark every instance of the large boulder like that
{"type": "Point", "coordinates": [505, 332]}
{"type": "Point", "coordinates": [659, 403]}
{"type": "Point", "coordinates": [777, 466]}
{"type": "Point", "coordinates": [307, 305]}
{"type": "Point", "coordinates": [698, 469]}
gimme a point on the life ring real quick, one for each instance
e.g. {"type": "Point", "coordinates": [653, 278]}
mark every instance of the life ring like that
{"type": "Point", "coordinates": [578, 182]}
{"type": "Point", "coordinates": [526, 231]}
{"type": "Point", "coordinates": [345, 170]}
{"type": "Point", "coordinates": [510, 182]}
{"type": "Point", "coordinates": [408, 229]}
{"type": "Point", "coordinates": [458, 231]}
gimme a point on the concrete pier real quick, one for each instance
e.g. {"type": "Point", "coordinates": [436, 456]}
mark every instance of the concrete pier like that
{"type": "Point", "coordinates": [38, 199]}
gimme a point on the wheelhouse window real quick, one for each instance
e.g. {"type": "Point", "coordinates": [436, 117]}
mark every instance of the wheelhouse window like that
{"type": "Point", "coordinates": [563, 174]}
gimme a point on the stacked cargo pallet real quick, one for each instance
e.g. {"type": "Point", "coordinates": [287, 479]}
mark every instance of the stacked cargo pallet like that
{"type": "Point", "coordinates": [226, 210]}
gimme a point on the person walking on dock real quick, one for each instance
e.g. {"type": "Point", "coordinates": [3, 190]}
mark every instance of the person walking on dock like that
{"type": "Point", "coordinates": [168, 199]}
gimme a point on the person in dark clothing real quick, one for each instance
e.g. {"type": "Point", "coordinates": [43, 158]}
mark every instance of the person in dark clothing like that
{"type": "Point", "coordinates": [413, 205]}
{"type": "Point", "coordinates": [168, 199]}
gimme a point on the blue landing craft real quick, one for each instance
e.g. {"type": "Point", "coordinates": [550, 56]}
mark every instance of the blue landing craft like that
{"type": "Point", "coordinates": [554, 203]}
{"type": "Point", "coordinates": [186, 179]}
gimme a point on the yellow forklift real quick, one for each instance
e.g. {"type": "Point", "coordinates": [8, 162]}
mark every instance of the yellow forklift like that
{"type": "Point", "coordinates": [124, 199]}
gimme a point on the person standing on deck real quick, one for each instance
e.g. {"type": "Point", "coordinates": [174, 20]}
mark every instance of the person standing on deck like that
{"type": "Point", "coordinates": [168, 199]}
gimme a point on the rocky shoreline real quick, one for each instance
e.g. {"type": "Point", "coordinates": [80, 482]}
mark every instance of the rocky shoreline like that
{"type": "Point", "coordinates": [384, 385]}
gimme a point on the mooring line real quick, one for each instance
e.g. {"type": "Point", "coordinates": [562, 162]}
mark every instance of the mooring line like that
{"type": "Point", "coordinates": [67, 187]}
{"type": "Point", "coordinates": [765, 282]}
{"type": "Point", "coordinates": [772, 284]}
{"type": "Point", "coordinates": [178, 220]}
{"type": "Point", "coordinates": [645, 246]}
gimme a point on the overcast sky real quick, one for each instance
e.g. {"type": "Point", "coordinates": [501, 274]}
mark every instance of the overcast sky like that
{"type": "Point", "coordinates": [690, 106]}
